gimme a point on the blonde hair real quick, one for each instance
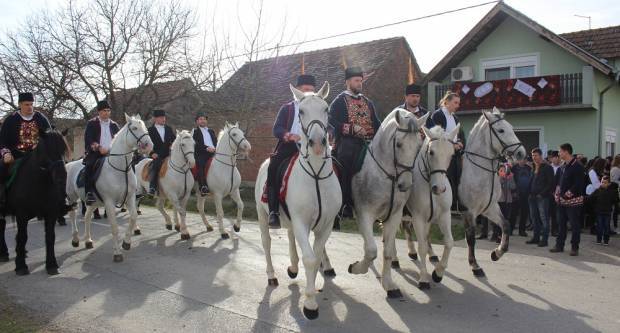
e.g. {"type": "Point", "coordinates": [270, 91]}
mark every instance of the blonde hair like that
{"type": "Point", "coordinates": [448, 97]}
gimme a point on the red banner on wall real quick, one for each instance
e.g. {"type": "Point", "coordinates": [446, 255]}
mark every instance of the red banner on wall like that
{"type": "Point", "coordinates": [511, 93]}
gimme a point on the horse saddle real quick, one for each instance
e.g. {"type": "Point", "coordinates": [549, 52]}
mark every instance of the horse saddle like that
{"type": "Point", "coordinates": [13, 169]}
{"type": "Point", "coordinates": [147, 171]}
{"type": "Point", "coordinates": [97, 166]}
{"type": "Point", "coordinates": [207, 166]}
{"type": "Point", "coordinates": [283, 174]}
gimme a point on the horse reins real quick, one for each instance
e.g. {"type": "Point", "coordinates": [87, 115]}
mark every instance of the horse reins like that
{"type": "Point", "coordinates": [427, 173]}
{"type": "Point", "coordinates": [233, 156]}
{"type": "Point", "coordinates": [180, 169]}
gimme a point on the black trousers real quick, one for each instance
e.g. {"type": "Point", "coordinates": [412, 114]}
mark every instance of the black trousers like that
{"type": "Point", "coordinates": [454, 176]}
{"type": "Point", "coordinates": [201, 162]}
{"type": "Point", "coordinates": [553, 215]}
{"type": "Point", "coordinates": [524, 212]}
{"type": "Point", "coordinates": [568, 215]}
{"type": "Point", "coordinates": [89, 162]}
{"type": "Point", "coordinates": [283, 151]}
{"type": "Point", "coordinates": [155, 167]}
{"type": "Point", "coordinates": [348, 152]}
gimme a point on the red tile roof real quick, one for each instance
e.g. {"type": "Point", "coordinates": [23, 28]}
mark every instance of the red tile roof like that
{"type": "Point", "coordinates": [603, 43]}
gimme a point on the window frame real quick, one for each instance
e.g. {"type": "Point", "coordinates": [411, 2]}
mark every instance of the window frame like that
{"type": "Point", "coordinates": [511, 61]}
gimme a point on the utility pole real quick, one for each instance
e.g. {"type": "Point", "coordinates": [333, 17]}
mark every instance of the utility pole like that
{"type": "Point", "coordinates": [589, 20]}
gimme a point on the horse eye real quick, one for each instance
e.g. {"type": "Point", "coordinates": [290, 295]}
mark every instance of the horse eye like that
{"type": "Point", "coordinates": [301, 112]}
{"type": "Point", "coordinates": [501, 131]}
{"type": "Point", "coordinates": [183, 144]}
{"type": "Point", "coordinates": [234, 134]}
{"type": "Point", "coordinates": [134, 128]}
{"type": "Point", "coordinates": [432, 152]}
{"type": "Point", "coordinates": [399, 145]}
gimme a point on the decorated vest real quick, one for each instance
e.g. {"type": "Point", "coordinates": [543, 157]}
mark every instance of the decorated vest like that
{"type": "Point", "coordinates": [360, 114]}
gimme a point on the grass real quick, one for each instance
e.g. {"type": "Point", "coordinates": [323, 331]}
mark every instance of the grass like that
{"type": "Point", "coordinates": [249, 213]}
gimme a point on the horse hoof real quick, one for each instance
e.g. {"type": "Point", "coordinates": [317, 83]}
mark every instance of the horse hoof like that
{"type": "Point", "coordinates": [169, 226]}
{"type": "Point", "coordinates": [350, 270]}
{"type": "Point", "coordinates": [22, 271]}
{"type": "Point", "coordinates": [62, 223]}
{"type": "Point", "coordinates": [436, 277]}
{"type": "Point", "coordinates": [478, 272]}
{"type": "Point", "coordinates": [330, 273]}
{"type": "Point", "coordinates": [394, 293]}
{"type": "Point", "coordinates": [209, 228]}
{"type": "Point", "coordinates": [126, 246]}
{"type": "Point", "coordinates": [424, 285]}
{"type": "Point", "coordinates": [413, 256]}
{"type": "Point", "coordinates": [75, 244]}
{"type": "Point", "coordinates": [185, 237]}
{"type": "Point", "coordinates": [139, 212]}
{"type": "Point", "coordinates": [52, 271]}
{"type": "Point", "coordinates": [4, 258]}
{"type": "Point", "coordinates": [311, 314]}
{"type": "Point", "coordinates": [89, 245]}
{"type": "Point", "coordinates": [118, 258]}
{"type": "Point", "coordinates": [396, 264]}
{"type": "Point", "coordinates": [236, 228]}
{"type": "Point", "coordinates": [225, 236]}
{"type": "Point", "coordinates": [272, 282]}
{"type": "Point", "coordinates": [291, 274]}
{"type": "Point", "coordinates": [494, 256]}
{"type": "Point", "coordinates": [433, 259]}
{"type": "Point", "coordinates": [177, 228]}
{"type": "Point", "coordinates": [137, 232]}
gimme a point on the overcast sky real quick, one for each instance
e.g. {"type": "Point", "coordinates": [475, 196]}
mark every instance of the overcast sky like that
{"type": "Point", "coordinates": [430, 39]}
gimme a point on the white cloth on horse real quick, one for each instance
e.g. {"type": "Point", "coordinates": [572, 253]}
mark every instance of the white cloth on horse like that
{"type": "Point", "coordinates": [105, 140]}
{"type": "Point", "coordinates": [450, 122]}
{"type": "Point", "coordinates": [207, 137]}
{"type": "Point", "coordinates": [296, 127]}
{"type": "Point", "coordinates": [161, 129]}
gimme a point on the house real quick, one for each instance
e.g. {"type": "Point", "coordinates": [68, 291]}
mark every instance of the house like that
{"type": "Point", "coordinates": [553, 88]}
{"type": "Point", "coordinates": [254, 94]}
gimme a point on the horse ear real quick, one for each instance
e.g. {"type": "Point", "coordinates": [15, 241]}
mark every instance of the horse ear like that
{"type": "Point", "coordinates": [127, 118]}
{"type": "Point", "coordinates": [324, 91]}
{"type": "Point", "coordinates": [487, 115]}
{"type": "Point", "coordinates": [298, 94]}
{"type": "Point", "coordinates": [397, 117]}
{"type": "Point", "coordinates": [138, 116]}
{"type": "Point", "coordinates": [178, 132]}
{"type": "Point", "coordinates": [422, 120]}
{"type": "Point", "coordinates": [426, 131]}
{"type": "Point", "coordinates": [454, 133]}
{"type": "Point", "coordinates": [496, 110]}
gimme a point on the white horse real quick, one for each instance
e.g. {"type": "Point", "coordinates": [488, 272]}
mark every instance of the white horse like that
{"type": "Point", "coordinates": [224, 178]}
{"type": "Point", "coordinates": [116, 184]}
{"type": "Point", "coordinates": [381, 188]}
{"type": "Point", "coordinates": [313, 198]}
{"type": "Point", "coordinates": [490, 140]}
{"type": "Point", "coordinates": [431, 197]}
{"type": "Point", "coordinates": [175, 181]}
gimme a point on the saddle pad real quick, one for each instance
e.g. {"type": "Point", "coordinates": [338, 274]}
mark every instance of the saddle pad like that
{"type": "Point", "coordinates": [287, 167]}
{"type": "Point", "coordinates": [195, 169]}
{"type": "Point", "coordinates": [81, 179]}
{"type": "Point", "coordinates": [146, 171]}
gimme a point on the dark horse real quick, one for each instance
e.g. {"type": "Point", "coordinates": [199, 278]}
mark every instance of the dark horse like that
{"type": "Point", "coordinates": [38, 190]}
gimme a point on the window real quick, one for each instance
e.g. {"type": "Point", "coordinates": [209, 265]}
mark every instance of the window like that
{"type": "Point", "coordinates": [530, 138]}
{"type": "Point", "coordinates": [517, 66]}
{"type": "Point", "coordinates": [610, 142]}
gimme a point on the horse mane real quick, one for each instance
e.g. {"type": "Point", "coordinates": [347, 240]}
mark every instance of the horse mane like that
{"type": "Point", "coordinates": [225, 130]}
{"type": "Point", "coordinates": [478, 125]}
{"type": "Point", "coordinates": [437, 131]}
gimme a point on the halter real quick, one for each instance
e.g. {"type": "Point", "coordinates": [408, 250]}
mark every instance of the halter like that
{"type": "Point", "coordinates": [504, 152]}
{"type": "Point", "coordinates": [234, 146]}
{"type": "Point", "coordinates": [427, 173]}
{"type": "Point", "coordinates": [396, 164]}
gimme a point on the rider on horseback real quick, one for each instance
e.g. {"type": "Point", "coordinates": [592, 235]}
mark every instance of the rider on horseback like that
{"type": "Point", "coordinates": [206, 141]}
{"type": "Point", "coordinates": [97, 140]}
{"type": "Point", "coordinates": [287, 129]}
{"type": "Point", "coordinates": [162, 136]}
{"type": "Point", "coordinates": [19, 136]}
{"type": "Point", "coordinates": [354, 122]}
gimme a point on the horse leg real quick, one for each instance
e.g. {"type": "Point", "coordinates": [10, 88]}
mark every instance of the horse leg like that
{"type": "Point", "coordinates": [365, 223]}
{"type": "Point", "coordinates": [179, 217]}
{"type": "Point", "coordinates": [494, 214]}
{"type": "Point", "coordinates": [4, 250]}
{"type": "Point", "coordinates": [51, 265]}
{"type": "Point", "coordinates": [236, 196]}
{"type": "Point", "coordinates": [390, 227]}
{"type": "Point", "coordinates": [160, 207]}
{"type": "Point", "coordinates": [133, 217]}
{"type": "Point", "coordinates": [328, 270]}
{"type": "Point", "coordinates": [20, 246]}
{"type": "Point", "coordinates": [445, 225]}
{"type": "Point", "coordinates": [470, 234]}
{"type": "Point", "coordinates": [311, 265]}
{"type": "Point", "coordinates": [118, 255]}
{"type": "Point", "coordinates": [200, 205]}
{"type": "Point", "coordinates": [183, 215]}
{"type": "Point", "coordinates": [420, 226]}
{"type": "Point", "coordinates": [408, 229]}
{"type": "Point", "coordinates": [266, 240]}
{"type": "Point", "coordinates": [88, 219]}
{"type": "Point", "coordinates": [219, 212]}
{"type": "Point", "coordinates": [292, 251]}
{"type": "Point", "coordinates": [75, 239]}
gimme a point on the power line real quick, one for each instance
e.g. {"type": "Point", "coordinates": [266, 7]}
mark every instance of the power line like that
{"type": "Point", "coordinates": [362, 30]}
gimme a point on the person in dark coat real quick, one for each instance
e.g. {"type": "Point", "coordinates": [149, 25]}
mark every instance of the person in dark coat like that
{"type": "Point", "coordinates": [556, 164]}
{"type": "Point", "coordinates": [162, 136]}
{"type": "Point", "coordinates": [206, 142]}
{"type": "Point", "coordinates": [569, 195]}
{"type": "Point", "coordinates": [19, 136]}
{"type": "Point", "coordinates": [353, 121]}
{"type": "Point", "coordinates": [446, 118]}
{"type": "Point", "coordinates": [540, 194]}
{"type": "Point", "coordinates": [97, 141]}
{"type": "Point", "coordinates": [523, 176]}
{"type": "Point", "coordinates": [413, 93]}
{"type": "Point", "coordinates": [287, 129]}
{"type": "Point", "coordinates": [604, 199]}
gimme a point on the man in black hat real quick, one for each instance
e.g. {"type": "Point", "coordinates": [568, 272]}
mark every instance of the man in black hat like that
{"type": "Point", "coordinates": [19, 136]}
{"type": "Point", "coordinates": [413, 94]}
{"type": "Point", "coordinates": [353, 120]}
{"type": "Point", "coordinates": [162, 136]}
{"type": "Point", "coordinates": [97, 141]}
{"type": "Point", "coordinates": [206, 142]}
{"type": "Point", "coordinates": [287, 129]}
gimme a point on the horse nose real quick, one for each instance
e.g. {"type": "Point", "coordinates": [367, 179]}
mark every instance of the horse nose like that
{"type": "Point", "coordinates": [324, 142]}
{"type": "Point", "coordinates": [403, 187]}
{"type": "Point", "coordinates": [311, 142]}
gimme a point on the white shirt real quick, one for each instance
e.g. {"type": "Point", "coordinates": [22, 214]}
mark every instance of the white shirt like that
{"type": "Point", "coordinates": [161, 129]}
{"type": "Point", "coordinates": [596, 183]}
{"type": "Point", "coordinates": [207, 137]}
{"type": "Point", "coordinates": [296, 127]}
{"type": "Point", "coordinates": [29, 118]}
{"type": "Point", "coordinates": [105, 140]}
{"type": "Point", "coordinates": [555, 168]}
{"type": "Point", "coordinates": [450, 121]}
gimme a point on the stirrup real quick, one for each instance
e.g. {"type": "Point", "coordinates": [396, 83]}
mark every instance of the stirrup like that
{"type": "Point", "coordinates": [274, 220]}
{"type": "Point", "coordinates": [90, 198]}
{"type": "Point", "coordinates": [204, 190]}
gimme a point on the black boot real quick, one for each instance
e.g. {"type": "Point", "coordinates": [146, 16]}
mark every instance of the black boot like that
{"type": "Point", "coordinates": [2, 198]}
{"type": "Point", "coordinates": [90, 198]}
{"type": "Point", "coordinates": [274, 208]}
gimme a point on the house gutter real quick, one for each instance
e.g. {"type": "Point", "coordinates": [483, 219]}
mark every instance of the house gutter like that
{"type": "Point", "coordinates": [616, 79]}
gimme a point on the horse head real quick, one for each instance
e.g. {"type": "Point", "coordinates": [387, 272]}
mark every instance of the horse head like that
{"type": "Point", "coordinates": [504, 141]}
{"type": "Point", "coordinates": [438, 149]}
{"type": "Point", "coordinates": [313, 117]}
{"type": "Point", "coordinates": [236, 138]}
{"type": "Point", "coordinates": [184, 145]}
{"type": "Point", "coordinates": [137, 135]}
{"type": "Point", "coordinates": [51, 153]}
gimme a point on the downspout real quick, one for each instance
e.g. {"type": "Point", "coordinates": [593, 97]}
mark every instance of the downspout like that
{"type": "Point", "coordinates": [616, 79]}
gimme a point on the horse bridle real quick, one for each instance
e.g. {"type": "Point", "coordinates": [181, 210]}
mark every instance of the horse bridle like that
{"type": "Point", "coordinates": [180, 169]}
{"type": "Point", "coordinates": [233, 156]}
{"type": "Point", "coordinates": [427, 173]}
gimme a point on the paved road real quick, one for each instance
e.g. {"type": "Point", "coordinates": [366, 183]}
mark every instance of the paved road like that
{"type": "Point", "coordinates": [213, 285]}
